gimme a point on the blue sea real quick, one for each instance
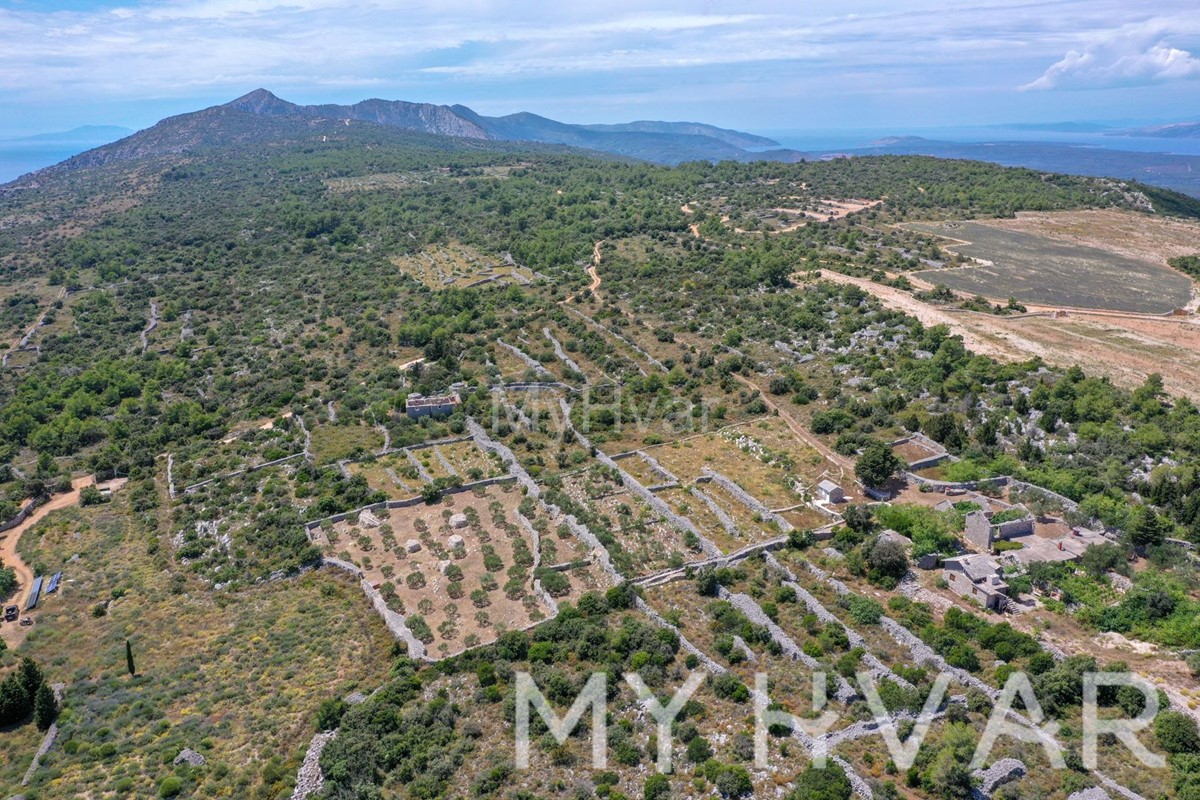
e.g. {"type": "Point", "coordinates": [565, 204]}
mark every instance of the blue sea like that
{"type": "Point", "coordinates": [18, 158]}
{"type": "Point", "coordinates": [821, 141]}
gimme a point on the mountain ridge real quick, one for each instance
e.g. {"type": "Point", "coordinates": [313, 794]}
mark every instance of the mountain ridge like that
{"type": "Point", "coordinates": [261, 115]}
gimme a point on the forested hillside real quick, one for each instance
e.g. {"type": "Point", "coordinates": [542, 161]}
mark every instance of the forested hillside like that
{"type": "Point", "coordinates": [236, 324]}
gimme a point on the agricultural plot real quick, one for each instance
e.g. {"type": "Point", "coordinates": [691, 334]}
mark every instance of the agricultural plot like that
{"type": "Point", "coordinates": [1036, 269]}
{"type": "Point", "coordinates": [641, 469]}
{"type": "Point", "coordinates": [456, 265]}
{"type": "Point", "coordinates": [914, 450]}
{"type": "Point", "coordinates": [458, 587]}
{"type": "Point", "coordinates": [763, 457]}
{"type": "Point", "coordinates": [843, 608]}
{"type": "Point", "coordinates": [433, 463]}
{"type": "Point", "coordinates": [391, 474]}
{"type": "Point", "coordinates": [645, 542]}
{"type": "Point", "coordinates": [572, 347]}
{"type": "Point", "coordinates": [750, 526]}
{"type": "Point", "coordinates": [471, 463]}
{"type": "Point", "coordinates": [687, 502]}
{"type": "Point", "coordinates": [332, 443]}
{"type": "Point", "coordinates": [806, 518]}
{"type": "Point", "coordinates": [568, 569]}
{"type": "Point", "coordinates": [724, 632]}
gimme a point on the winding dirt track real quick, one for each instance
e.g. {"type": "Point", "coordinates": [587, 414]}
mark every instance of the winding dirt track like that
{"type": "Point", "coordinates": [12, 633]}
{"type": "Point", "coordinates": [844, 465]}
{"type": "Point", "coordinates": [1125, 348]}
{"type": "Point", "coordinates": [594, 286]}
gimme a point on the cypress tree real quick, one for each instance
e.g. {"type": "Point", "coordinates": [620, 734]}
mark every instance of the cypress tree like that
{"type": "Point", "coordinates": [129, 658]}
{"type": "Point", "coordinates": [45, 707]}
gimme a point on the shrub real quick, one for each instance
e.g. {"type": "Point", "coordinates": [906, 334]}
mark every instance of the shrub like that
{"type": "Point", "coordinates": [329, 714]}
{"type": "Point", "coordinates": [658, 787]}
{"type": "Point", "coordinates": [170, 786]}
{"type": "Point", "coordinates": [865, 611]}
{"type": "Point", "coordinates": [1176, 732]}
{"type": "Point", "coordinates": [734, 782]}
{"type": "Point", "coordinates": [829, 783]}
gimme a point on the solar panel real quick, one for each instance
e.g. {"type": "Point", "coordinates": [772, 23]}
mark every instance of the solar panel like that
{"type": "Point", "coordinates": [52, 586]}
{"type": "Point", "coordinates": [34, 592]}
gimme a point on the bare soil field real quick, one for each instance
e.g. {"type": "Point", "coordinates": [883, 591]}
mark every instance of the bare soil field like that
{"type": "Point", "coordinates": [1140, 236]}
{"type": "Point", "coordinates": [454, 597]}
{"type": "Point", "coordinates": [1054, 272]}
{"type": "Point", "coordinates": [913, 451]}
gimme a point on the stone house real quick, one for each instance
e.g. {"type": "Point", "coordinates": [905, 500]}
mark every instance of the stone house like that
{"type": "Point", "coordinates": [978, 578]}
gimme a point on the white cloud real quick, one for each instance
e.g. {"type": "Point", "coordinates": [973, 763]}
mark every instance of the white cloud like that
{"type": "Point", "coordinates": [865, 54]}
{"type": "Point", "coordinates": [1134, 55]}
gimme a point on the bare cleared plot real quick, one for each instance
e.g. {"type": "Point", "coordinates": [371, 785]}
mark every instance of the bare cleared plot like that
{"type": "Point", "coordinates": [458, 265]}
{"type": "Point", "coordinates": [1043, 271]}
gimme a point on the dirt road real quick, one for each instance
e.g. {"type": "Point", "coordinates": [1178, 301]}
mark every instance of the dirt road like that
{"type": "Point", "coordinates": [12, 633]}
{"type": "Point", "coordinates": [843, 465]}
{"type": "Point", "coordinates": [1125, 348]}
{"type": "Point", "coordinates": [594, 286]}
{"type": "Point", "coordinates": [997, 344]}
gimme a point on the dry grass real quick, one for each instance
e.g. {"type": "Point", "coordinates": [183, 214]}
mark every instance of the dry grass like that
{"type": "Point", "coordinates": [332, 443]}
{"type": "Point", "coordinates": [235, 675]}
{"type": "Point", "coordinates": [380, 479]}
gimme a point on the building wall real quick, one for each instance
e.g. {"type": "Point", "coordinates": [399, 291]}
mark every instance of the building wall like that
{"type": "Point", "coordinates": [427, 411]}
{"type": "Point", "coordinates": [1014, 527]}
{"type": "Point", "coordinates": [979, 531]}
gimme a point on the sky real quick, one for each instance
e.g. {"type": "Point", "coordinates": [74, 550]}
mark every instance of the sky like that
{"type": "Point", "coordinates": [772, 65]}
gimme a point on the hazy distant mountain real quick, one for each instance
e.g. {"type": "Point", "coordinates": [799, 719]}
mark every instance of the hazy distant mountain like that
{"type": "Point", "coordinates": [1178, 172]}
{"type": "Point", "coordinates": [1177, 130]}
{"type": "Point", "coordinates": [660, 146]}
{"type": "Point", "coordinates": [1056, 127]}
{"type": "Point", "coordinates": [424, 117]}
{"type": "Point", "coordinates": [746, 141]}
{"type": "Point", "coordinates": [85, 134]}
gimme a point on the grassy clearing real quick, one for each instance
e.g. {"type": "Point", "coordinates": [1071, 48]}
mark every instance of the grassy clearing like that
{"type": "Point", "coordinates": [470, 462]}
{"type": "Point", "coordinates": [380, 479]}
{"type": "Point", "coordinates": [335, 442]}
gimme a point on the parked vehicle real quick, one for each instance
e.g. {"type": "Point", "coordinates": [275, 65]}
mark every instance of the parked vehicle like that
{"type": "Point", "coordinates": [11, 613]}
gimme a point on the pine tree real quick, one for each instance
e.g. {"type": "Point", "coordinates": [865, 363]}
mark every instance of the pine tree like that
{"type": "Point", "coordinates": [45, 707]}
{"type": "Point", "coordinates": [129, 658]}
